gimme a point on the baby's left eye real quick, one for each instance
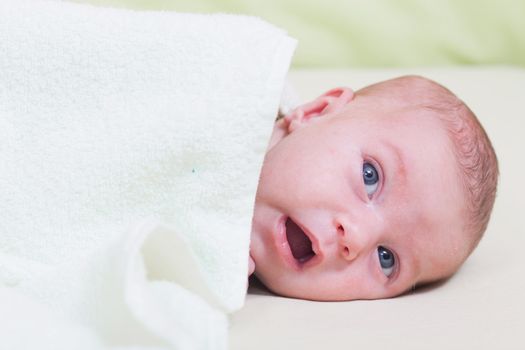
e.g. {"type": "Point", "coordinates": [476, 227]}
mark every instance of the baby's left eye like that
{"type": "Point", "coordinates": [386, 260]}
{"type": "Point", "coordinates": [370, 178]}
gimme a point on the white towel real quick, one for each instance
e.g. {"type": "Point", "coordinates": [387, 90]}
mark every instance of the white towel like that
{"type": "Point", "coordinates": [130, 148]}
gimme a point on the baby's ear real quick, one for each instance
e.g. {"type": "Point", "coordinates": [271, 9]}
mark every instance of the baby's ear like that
{"type": "Point", "coordinates": [330, 102]}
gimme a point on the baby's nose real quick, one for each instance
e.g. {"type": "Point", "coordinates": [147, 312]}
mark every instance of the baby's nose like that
{"type": "Point", "coordinates": [350, 242]}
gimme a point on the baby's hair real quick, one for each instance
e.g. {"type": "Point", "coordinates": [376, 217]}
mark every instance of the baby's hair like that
{"type": "Point", "coordinates": [473, 150]}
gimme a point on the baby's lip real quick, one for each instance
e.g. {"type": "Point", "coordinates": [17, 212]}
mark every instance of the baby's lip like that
{"type": "Point", "coordinates": [284, 248]}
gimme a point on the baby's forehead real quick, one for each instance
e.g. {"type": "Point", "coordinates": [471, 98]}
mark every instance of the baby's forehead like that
{"type": "Point", "coordinates": [391, 117]}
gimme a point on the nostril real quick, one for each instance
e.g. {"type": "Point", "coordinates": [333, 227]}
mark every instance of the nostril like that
{"type": "Point", "coordinates": [340, 230]}
{"type": "Point", "coordinates": [346, 252]}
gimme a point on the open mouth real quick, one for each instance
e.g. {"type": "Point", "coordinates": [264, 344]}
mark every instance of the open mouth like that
{"type": "Point", "coordinates": [300, 244]}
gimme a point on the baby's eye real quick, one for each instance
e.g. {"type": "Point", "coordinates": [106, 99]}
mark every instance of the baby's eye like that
{"type": "Point", "coordinates": [371, 178]}
{"type": "Point", "coordinates": [386, 260]}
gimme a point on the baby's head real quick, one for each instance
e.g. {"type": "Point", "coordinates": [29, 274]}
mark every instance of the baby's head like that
{"type": "Point", "coordinates": [367, 195]}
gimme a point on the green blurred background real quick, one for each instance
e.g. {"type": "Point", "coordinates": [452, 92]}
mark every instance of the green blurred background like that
{"type": "Point", "coordinates": [379, 33]}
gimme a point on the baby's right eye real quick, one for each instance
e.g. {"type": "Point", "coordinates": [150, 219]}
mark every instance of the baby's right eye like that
{"type": "Point", "coordinates": [370, 178]}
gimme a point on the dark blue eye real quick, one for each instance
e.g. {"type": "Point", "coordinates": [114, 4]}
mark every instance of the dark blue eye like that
{"type": "Point", "coordinates": [386, 260]}
{"type": "Point", "coordinates": [370, 178]}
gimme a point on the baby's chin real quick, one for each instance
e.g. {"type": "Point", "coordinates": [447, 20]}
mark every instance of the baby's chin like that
{"type": "Point", "coordinates": [278, 133]}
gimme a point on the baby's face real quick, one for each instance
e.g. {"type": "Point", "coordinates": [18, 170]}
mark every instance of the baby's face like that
{"type": "Point", "coordinates": [361, 201]}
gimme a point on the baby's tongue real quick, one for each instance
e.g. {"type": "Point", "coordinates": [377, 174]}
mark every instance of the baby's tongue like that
{"type": "Point", "coordinates": [300, 244]}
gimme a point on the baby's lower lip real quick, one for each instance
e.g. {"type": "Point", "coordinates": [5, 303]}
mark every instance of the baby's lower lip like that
{"type": "Point", "coordinates": [281, 243]}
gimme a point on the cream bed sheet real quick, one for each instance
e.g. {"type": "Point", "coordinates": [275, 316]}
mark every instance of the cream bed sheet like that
{"type": "Point", "coordinates": [481, 307]}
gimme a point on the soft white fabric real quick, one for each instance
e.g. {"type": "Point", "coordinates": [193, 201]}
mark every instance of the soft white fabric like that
{"type": "Point", "coordinates": [130, 148]}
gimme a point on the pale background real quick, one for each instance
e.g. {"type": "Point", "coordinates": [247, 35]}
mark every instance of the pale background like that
{"type": "Point", "coordinates": [386, 33]}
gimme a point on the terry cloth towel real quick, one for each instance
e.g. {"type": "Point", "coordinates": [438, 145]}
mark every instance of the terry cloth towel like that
{"type": "Point", "coordinates": [130, 149]}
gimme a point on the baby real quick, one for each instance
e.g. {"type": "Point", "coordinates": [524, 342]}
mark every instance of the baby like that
{"type": "Point", "coordinates": [366, 195]}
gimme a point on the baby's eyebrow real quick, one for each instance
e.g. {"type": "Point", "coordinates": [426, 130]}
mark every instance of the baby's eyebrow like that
{"type": "Point", "coordinates": [399, 158]}
{"type": "Point", "coordinates": [409, 264]}
{"type": "Point", "coordinates": [415, 265]}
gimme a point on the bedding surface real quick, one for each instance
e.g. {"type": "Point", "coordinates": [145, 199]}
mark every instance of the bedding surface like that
{"type": "Point", "coordinates": [481, 307]}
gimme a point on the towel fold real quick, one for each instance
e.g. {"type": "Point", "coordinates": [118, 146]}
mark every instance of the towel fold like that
{"type": "Point", "coordinates": [130, 149]}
